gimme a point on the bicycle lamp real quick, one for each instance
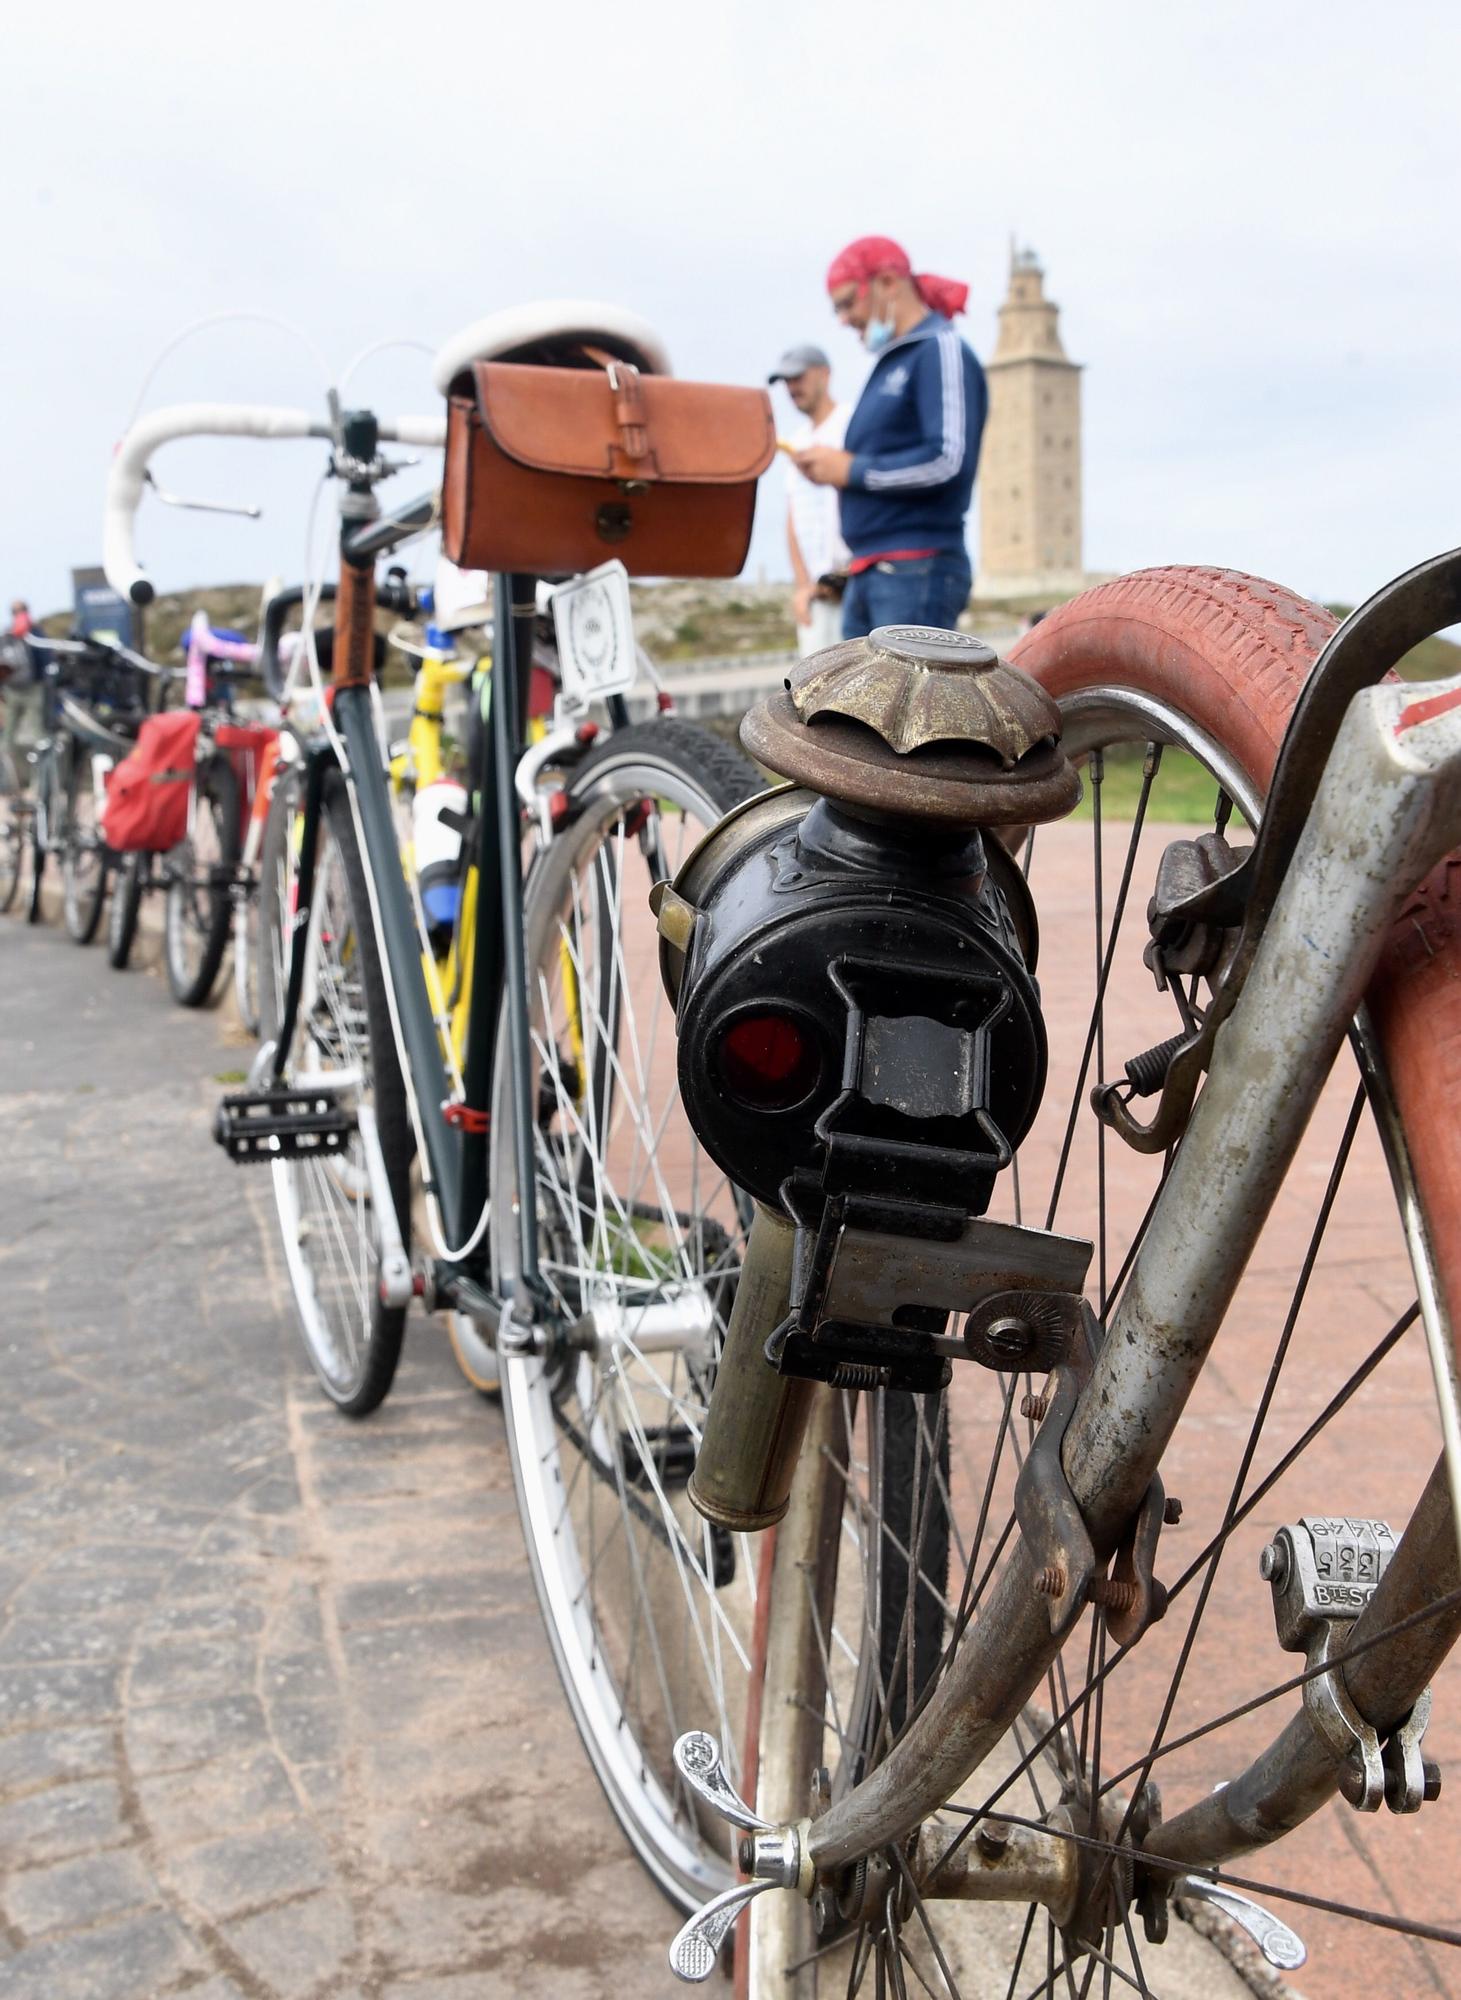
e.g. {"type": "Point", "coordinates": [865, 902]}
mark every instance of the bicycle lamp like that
{"type": "Point", "coordinates": [851, 959]}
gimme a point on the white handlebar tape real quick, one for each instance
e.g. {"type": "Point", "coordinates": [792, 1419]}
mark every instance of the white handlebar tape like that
{"type": "Point", "coordinates": [427, 431]}
{"type": "Point", "coordinates": [129, 470]}
{"type": "Point", "coordinates": [128, 475]}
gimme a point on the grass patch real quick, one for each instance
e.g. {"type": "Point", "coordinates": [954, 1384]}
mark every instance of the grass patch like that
{"type": "Point", "coordinates": [230, 1076]}
{"type": "Point", "coordinates": [1434, 659]}
{"type": "Point", "coordinates": [1182, 794]}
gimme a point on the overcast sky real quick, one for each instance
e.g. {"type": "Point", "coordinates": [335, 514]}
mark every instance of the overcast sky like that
{"type": "Point", "coordinates": [1247, 212]}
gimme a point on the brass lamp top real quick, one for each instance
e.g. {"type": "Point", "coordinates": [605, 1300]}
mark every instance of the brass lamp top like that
{"type": "Point", "coordinates": [922, 723]}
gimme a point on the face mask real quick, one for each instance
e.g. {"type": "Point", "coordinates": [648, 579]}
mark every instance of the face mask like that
{"type": "Point", "coordinates": [876, 335]}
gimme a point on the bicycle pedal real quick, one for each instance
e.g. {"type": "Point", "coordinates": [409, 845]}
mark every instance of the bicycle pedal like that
{"type": "Point", "coordinates": [771, 1856]}
{"type": "Point", "coordinates": [255, 1127]}
{"type": "Point", "coordinates": [670, 1450]}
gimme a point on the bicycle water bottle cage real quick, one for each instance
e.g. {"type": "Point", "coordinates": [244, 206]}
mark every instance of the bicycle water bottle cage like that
{"type": "Point", "coordinates": [852, 961]}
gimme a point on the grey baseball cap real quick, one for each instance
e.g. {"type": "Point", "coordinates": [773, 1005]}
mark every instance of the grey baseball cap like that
{"type": "Point", "coordinates": [796, 361]}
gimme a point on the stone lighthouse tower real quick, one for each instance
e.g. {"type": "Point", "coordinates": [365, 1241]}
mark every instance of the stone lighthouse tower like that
{"type": "Point", "coordinates": [1030, 464]}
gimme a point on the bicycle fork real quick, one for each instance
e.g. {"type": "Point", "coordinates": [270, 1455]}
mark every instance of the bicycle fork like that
{"type": "Point", "coordinates": [1388, 809]}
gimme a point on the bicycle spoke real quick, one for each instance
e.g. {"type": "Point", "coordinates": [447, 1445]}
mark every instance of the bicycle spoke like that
{"type": "Point", "coordinates": [635, 1554]}
{"type": "Point", "coordinates": [922, 1914]}
{"type": "Point", "coordinates": [1140, 1981]}
{"type": "Point", "coordinates": [1360, 1376]}
{"type": "Point", "coordinates": [1096, 768]}
{"type": "Point", "coordinates": [1020, 1954]}
{"type": "Point", "coordinates": [1149, 771]}
{"type": "Point", "coordinates": [1265, 1402]}
{"type": "Point", "coordinates": [903, 1659]}
{"type": "Point", "coordinates": [1379, 1919]}
{"type": "Point", "coordinates": [1354, 1651]}
{"type": "Point", "coordinates": [1061, 1721]}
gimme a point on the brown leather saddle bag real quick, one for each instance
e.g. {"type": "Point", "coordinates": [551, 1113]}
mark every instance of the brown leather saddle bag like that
{"type": "Point", "coordinates": [555, 470]}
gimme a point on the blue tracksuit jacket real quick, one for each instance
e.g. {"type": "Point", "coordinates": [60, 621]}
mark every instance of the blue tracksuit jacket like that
{"type": "Point", "coordinates": [914, 439]}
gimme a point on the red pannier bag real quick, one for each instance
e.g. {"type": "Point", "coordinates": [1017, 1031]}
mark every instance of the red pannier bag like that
{"type": "Point", "coordinates": [245, 744]}
{"type": "Point", "coordinates": [147, 793]}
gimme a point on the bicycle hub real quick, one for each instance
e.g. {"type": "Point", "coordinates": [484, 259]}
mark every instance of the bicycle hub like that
{"type": "Point", "coordinates": [851, 959]}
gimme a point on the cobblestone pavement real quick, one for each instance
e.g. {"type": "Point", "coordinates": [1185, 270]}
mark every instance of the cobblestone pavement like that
{"type": "Point", "coordinates": [277, 1716]}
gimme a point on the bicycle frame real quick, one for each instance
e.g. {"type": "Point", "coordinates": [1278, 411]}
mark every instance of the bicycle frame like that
{"type": "Point", "coordinates": [453, 1135]}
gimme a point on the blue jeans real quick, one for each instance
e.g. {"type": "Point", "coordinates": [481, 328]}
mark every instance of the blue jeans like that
{"type": "Point", "coordinates": [931, 591]}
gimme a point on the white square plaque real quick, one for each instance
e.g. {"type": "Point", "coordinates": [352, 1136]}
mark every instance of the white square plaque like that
{"type": "Point", "coordinates": [595, 627]}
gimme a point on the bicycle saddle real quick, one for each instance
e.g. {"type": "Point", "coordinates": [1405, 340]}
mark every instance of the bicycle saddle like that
{"type": "Point", "coordinates": [552, 333]}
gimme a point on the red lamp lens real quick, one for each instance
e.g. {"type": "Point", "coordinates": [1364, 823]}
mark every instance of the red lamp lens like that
{"type": "Point", "coordinates": [768, 1061]}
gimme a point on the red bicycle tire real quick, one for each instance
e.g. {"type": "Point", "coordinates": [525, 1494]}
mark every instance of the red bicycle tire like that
{"type": "Point", "coordinates": [1233, 652]}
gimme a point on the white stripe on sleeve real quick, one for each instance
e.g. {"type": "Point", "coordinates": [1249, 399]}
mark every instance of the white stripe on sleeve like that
{"type": "Point", "coordinates": [934, 471]}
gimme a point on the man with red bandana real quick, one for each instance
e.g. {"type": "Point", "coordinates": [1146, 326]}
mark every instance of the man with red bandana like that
{"type": "Point", "coordinates": [906, 473]}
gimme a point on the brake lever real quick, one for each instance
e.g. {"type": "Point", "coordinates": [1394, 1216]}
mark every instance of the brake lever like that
{"type": "Point", "coordinates": [249, 512]}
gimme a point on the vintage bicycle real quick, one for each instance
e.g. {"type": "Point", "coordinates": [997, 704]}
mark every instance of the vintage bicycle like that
{"type": "Point", "coordinates": [93, 701]}
{"type": "Point", "coordinates": [1016, 1698]}
{"type": "Point", "coordinates": [572, 1219]}
{"type": "Point", "coordinates": [201, 867]}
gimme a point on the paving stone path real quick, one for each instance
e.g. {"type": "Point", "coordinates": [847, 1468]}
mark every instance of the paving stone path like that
{"type": "Point", "coordinates": [277, 1717]}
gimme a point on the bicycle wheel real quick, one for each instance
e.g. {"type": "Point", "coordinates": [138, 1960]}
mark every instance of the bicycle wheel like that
{"type": "Point", "coordinates": [277, 859]}
{"type": "Point", "coordinates": [42, 832]}
{"type": "Point", "coordinates": [126, 908]}
{"type": "Point", "coordinates": [342, 1039]}
{"type": "Point", "coordinates": [201, 870]}
{"type": "Point", "coordinates": [12, 834]}
{"type": "Point", "coordinates": [1176, 688]}
{"type": "Point", "coordinates": [247, 939]}
{"type": "Point", "coordinates": [246, 959]}
{"type": "Point", "coordinates": [84, 858]}
{"type": "Point", "coordinates": [649, 1611]}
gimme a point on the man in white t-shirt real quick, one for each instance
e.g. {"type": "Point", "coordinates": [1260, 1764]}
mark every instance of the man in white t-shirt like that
{"type": "Point", "coordinates": [813, 535]}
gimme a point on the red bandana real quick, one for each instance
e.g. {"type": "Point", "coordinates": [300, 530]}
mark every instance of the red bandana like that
{"type": "Point", "coordinates": [869, 256]}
